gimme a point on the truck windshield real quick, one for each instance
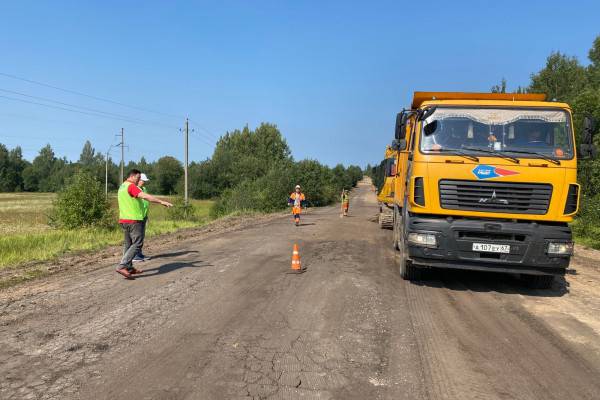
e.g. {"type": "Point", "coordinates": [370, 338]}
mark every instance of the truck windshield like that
{"type": "Point", "coordinates": [519, 132]}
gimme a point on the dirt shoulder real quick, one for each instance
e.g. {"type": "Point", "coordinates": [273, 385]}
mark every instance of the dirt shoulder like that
{"type": "Point", "coordinates": [25, 277]}
{"type": "Point", "coordinates": [572, 307]}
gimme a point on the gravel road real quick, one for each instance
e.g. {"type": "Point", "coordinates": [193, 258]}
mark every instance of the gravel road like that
{"type": "Point", "coordinates": [216, 315]}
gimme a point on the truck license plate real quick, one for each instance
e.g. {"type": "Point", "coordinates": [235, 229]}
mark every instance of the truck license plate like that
{"type": "Point", "coordinates": [491, 248]}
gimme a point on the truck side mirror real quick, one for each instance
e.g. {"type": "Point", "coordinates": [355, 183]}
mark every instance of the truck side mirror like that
{"type": "Point", "coordinates": [399, 144]}
{"type": "Point", "coordinates": [430, 128]}
{"type": "Point", "coordinates": [587, 148]}
{"type": "Point", "coordinates": [400, 131]}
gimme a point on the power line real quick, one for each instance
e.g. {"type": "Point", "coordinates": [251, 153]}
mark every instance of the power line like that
{"type": "Point", "coordinates": [122, 145]}
{"type": "Point", "coordinates": [59, 139]}
{"type": "Point", "coordinates": [209, 133]}
{"type": "Point", "coordinates": [88, 95]}
{"type": "Point", "coordinates": [92, 113]}
{"type": "Point", "coordinates": [121, 117]}
{"type": "Point", "coordinates": [55, 107]}
{"type": "Point", "coordinates": [206, 137]}
{"type": "Point", "coordinates": [197, 136]}
{"type": "Point", "coordinates": [125, 118]}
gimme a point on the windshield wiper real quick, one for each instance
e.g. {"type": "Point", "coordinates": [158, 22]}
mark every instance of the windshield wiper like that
{"type": "Point", "coordinates": [458, 153]}
{"type": "Point", "coordinates": [496, 153]}
{"type": "Point", "coordinates": [535, 153]}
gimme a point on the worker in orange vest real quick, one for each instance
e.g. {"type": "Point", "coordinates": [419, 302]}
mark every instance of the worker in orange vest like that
{"type": "Point", "coordinates": [297, 201]}
{"type": "Point", "coordinates": [345, 202]}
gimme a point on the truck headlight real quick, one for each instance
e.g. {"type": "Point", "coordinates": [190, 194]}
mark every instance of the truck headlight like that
{"type": "Point", "coordinates": [560, 248]}
{"type": "Point", "coordinates": [422, 239]}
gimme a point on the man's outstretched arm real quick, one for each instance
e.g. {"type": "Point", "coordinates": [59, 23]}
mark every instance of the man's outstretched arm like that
{"type": "Point", "coordinates": [153, 199]}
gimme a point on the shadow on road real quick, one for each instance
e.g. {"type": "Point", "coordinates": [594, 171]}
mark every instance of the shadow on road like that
{"type": "Point", "coordinates": [173, 254]}
{"type": "Point", "coordinates": [170, 267]}
{"type": "Point", "coordinates": [306, 224]}
{"type": "Point", "coordinates": [479, 281]}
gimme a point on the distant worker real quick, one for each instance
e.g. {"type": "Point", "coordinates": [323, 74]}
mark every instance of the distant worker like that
{"type": "Point", "coordinates": [297, 200]}
{"type": "Point", "coordinates": [131, 219]}
{"type": "Point", "coordinates": [345, 202]}
{"type": "Point", "coordinates": [145, 205]}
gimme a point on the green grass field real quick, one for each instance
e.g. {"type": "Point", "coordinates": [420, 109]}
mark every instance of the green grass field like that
{"type": "Point", "coordinates": [25, 235]}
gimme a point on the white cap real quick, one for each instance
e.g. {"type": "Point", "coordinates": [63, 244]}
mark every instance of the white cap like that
{"type": "Point", "coordinates": [144, 178]}
{"type": "Point", "coordinates": [297, 186]}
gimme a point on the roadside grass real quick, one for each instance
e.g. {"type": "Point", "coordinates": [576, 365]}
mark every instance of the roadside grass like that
{"type": "Point", "coordinates": [25, 235]}
{"type": "Point", "coordinates": [589, 236]}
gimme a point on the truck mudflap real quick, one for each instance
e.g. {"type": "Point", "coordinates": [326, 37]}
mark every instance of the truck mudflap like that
{"type": "Point", "coordinates": [489, 245]}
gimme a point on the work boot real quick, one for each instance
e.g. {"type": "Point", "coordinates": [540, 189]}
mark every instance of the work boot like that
{"type": "Point", "coordinates": [123, 271]}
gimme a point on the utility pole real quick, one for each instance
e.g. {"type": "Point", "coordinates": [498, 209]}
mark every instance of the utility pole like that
{"type": "Point", "coordinates": [122, 144]}
{"type": "Point", "coordinates": [185, 167]}
{"type": "Point", "coordinates": [106, 172]}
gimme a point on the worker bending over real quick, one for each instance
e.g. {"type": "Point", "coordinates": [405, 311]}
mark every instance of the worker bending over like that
{"type": "Point", "coordinates": [297, 200]}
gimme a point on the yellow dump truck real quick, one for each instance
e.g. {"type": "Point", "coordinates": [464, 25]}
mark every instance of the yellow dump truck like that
{"type": "Point", "coordinates": [385, 196]}
{"type": "Point", "coordinates": [486, 181]}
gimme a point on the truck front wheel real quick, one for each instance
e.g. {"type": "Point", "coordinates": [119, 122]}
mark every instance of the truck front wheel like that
{"type": "Point", "coordinates": [407, 270]}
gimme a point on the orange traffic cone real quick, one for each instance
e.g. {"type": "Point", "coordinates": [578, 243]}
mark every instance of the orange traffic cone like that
{"type": "Point", "coordinates": [296, 263]}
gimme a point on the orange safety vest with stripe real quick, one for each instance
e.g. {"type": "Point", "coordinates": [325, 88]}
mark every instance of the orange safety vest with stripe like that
{"type": "Point", "coordinates": [296, 200]}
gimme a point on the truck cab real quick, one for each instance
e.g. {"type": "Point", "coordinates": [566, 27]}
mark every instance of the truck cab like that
{"type": "Point", "coordinates": [385, 195]}
{"type": "Point", "coordinates": [488, 181]}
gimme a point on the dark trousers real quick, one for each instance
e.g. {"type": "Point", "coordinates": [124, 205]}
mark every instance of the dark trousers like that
{"type": "Point", "coordinates": [133, 238]}
{"type": "Point", "coordinates": [144, 223]}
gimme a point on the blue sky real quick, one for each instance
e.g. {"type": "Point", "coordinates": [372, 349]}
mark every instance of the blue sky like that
{"type": "Point", "coordinates": [330, 74]}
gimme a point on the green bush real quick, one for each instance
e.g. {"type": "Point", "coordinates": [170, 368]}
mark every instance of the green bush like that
{"type": "Point", "coordinates": [181, 211]}
{"type": "Point", "coordinates": [82, 203]}
{"type": "Point", "coordinates": [589, 215]}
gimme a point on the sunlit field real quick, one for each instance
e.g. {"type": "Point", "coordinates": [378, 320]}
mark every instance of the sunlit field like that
{"type": "Point", "coordinates": [25, 235]}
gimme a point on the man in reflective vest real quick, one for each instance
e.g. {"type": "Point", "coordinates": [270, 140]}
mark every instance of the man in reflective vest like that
{"type": "Point", "coordinates": [297, 200]}
{"type": "Point", "coordinates": [131, 219]}
{"type": "Point", "coordinates": [145, 205]}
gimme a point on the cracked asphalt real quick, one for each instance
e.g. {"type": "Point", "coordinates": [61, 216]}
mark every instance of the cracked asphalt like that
{"type": "Point", "coordinates": [217, 316]}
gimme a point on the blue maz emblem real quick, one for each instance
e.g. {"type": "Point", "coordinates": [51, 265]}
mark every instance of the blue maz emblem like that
{"type": "Point", "coordinates": [489, 171]}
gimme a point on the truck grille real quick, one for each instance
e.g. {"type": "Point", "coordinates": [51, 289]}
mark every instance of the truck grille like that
{"type": "Point", "coordinates": [500, 197]}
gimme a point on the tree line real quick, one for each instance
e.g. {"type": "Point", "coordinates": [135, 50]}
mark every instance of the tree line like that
{"type": "Point", "coordinates": [249, 169]}
{"type": "Point", "coordinates": [565, 79]}
{"type": "Point", "coordinates": [49, 173]}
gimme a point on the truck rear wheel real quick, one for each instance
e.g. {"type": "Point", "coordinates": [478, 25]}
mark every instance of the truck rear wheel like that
{"type": "Point", "coordinates": [538, 281]}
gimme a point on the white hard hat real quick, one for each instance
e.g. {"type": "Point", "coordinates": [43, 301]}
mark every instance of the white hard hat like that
{"type": "Point", "coordinates": [297, 186]}
{"type": "Point", "coordinates": [144, 178]}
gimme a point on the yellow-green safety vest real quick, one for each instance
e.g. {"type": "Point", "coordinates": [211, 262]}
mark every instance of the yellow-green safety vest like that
{"type": "Point", "coordinates": [129, 207]}
{"type": "Point", "coordinates": [145, 203]}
